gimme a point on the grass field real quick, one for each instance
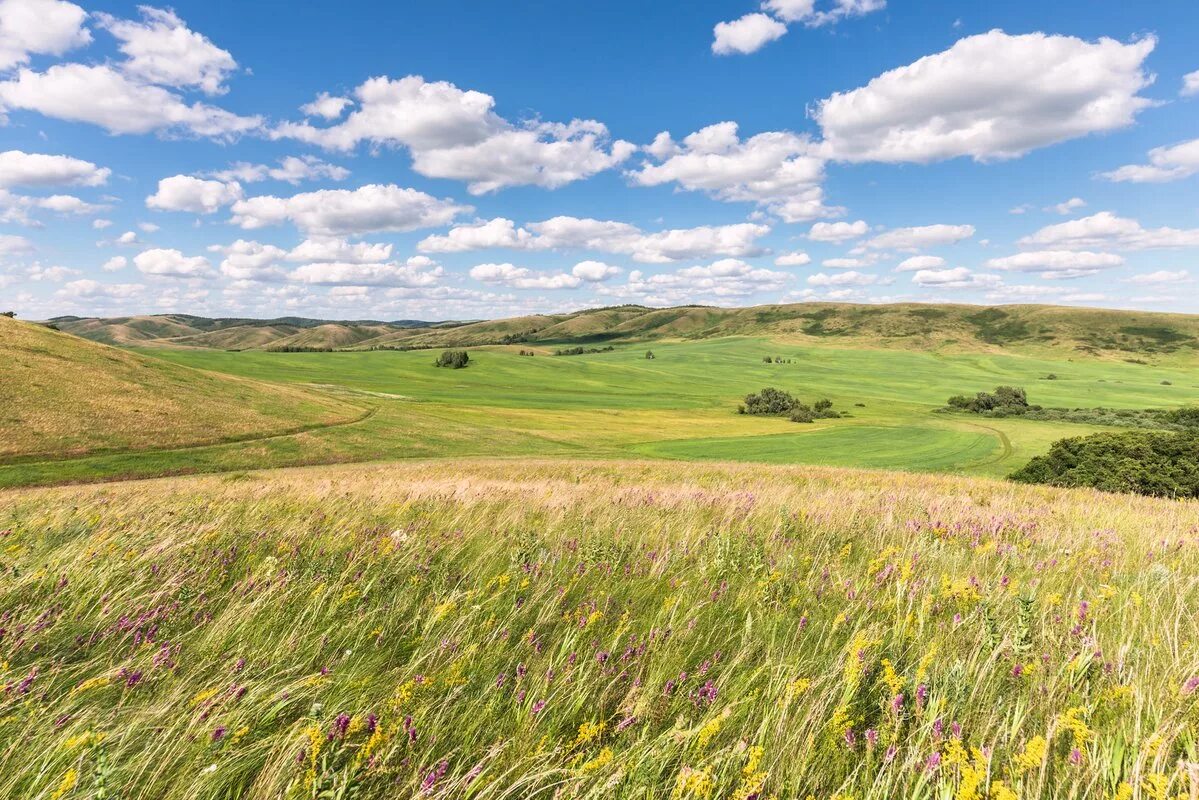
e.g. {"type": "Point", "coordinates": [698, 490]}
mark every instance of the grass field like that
{"type": "Point", "coordinates": [596, 630]}
{"type": "Point", "coordinates": [680, 405]}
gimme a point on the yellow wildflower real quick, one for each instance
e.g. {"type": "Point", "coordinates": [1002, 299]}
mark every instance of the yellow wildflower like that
{"type": "Point", "coordinates": [66, 784]}
{"type": "Point", "coordinates": [600, 761]}
{"type": "Point", "coordinates": [1033, 755]}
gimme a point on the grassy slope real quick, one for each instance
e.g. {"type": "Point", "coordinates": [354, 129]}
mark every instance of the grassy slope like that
{"type": "Point", "coordinates": [64, 396]}
{"type": "Point", "coordinates": [680, 405]}
{"type": "Point", "coordinates": [1027, 328]}
{"type": "Point", "coordinates": [596, 630]}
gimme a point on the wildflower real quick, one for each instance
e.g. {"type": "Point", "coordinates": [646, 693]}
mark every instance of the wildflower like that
{"type": "Point", "coordinates": [537, 707]}
{"type": "Point", "coordinates": [871, 738]}
{"type": "Point", "coordinates": [218, 733]}
{"type": "Point", "coordinates": [690, 782]}
{"type": "Point", "coordinates": [932, 762]}
{"type": "Point", "coordinates": [1000, 791]}
{"type": "Point", "coordinates": [433, 776]}
{"type": "Point", "coordinates": [587, 732]}
{"type": "Point", "coordinates": [706, 695]}
{"type": "Point", "coordinates": [891, 678]}
{"type": "Point", "coordinates": [1191, 685]}
{"type": "Point", "coordinates": [712, 727]}
{"type": "Point", "coordinates": [66, 784]}
{"type": "Point", "coordinates": [600, 761]}
{"type": "Point", "coordinates": [1033, 754]}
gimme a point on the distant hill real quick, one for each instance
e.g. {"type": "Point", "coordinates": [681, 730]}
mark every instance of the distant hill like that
{"type": "Point", "coordinates": [61, 395]}
{"type": "Point", "coordinates": [1098, 332]}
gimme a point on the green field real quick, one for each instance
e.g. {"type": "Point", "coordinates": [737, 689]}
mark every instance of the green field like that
{"type": "Point", "coordinates": [680, 405]}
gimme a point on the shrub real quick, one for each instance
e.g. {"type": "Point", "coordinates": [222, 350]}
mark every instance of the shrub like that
{"type": "Point", "coordinates": [1005, 400]}
{"type": "Point", "coordinates": [770, 401]}
{"type": "Point", "coordinates": [802, 413]}
{"type": "Point", "coordinates": [454, 359]}
{"type": "Point", "coordinates": [9, 314]}
{"type": "Point", "coordinates": [1152, 463]}
{"type": "Point", "coordinates": [649, 354]}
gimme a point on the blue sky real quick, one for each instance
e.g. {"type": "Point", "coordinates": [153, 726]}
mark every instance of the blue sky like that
{"type": "Point", "coordinates": [466, 160]}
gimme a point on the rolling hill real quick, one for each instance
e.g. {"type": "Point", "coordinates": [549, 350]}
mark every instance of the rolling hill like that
{"type": "Point", "coordinates": [1037, 328]}
{"type": "Point", "coordinates": [61, 395]}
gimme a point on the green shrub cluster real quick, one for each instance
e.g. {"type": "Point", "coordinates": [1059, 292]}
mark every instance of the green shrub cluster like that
{"type": "Point", "coordinates": [454, 359]}
{"type": "Point", "coordinates": [1154, 463]}
{"type": "Point", "coordinates": [1005, 400]}
{"type": "Point", "coordinates": [578, 351]}
{"type": "Point", "coordinates": [771, 402]}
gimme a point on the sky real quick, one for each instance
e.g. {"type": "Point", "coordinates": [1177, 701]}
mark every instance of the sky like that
{"type": "Point", "coordinates": [466, 160]}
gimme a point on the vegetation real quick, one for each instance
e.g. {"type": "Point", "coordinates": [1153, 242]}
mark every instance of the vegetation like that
{"type": "Point", "coordinates": [454, 359]}
{"type": "Point", "coordinates": [1005, 400]}
{"type": "Point", "coordinates": [578, 351]}
{"type": "Point", "coordinates": [1153, 463]}
{"type": "Point", "coordinates": [596, 630]}
{"type": "Point", "coordinates": [62, 396]}
{"type": "Point", "coordinates": [775, 402]}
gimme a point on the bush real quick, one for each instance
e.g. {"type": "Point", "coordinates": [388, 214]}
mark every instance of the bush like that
{"type": "Point", "coordinates": [769, 401]}
{"type": "Point", "coordinates": [650, 354]}
{"type": "Point", "coordinates": [454, 359]}
{"type": "Point", "coordinates": [802, 413]}
{"type": "Point", "coordinates": [1153, 463]}
{"type": "Point", "coordinates": [1005, 400]}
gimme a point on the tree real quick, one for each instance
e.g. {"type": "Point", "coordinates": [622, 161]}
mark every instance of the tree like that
{"type": "Point", "coordinates": [1144, 462]}
{"type": "Point", "coordinates": [454, 359]}
{"type": "Point", "coordinates": [770, 401]}
{"type": "Point", "coordinates": [9, 314]}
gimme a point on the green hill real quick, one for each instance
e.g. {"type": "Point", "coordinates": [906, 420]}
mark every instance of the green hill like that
{"type": "Point", "coordinates": [62, 395]}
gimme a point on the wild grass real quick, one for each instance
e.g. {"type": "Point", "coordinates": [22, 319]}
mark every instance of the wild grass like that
{"type": "Point", "coordinates": [508, 629]}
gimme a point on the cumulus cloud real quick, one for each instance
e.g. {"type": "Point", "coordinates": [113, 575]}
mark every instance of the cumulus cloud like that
{"type": "Point", "coordinates": [752, 32]}
{"type": "Point", "coordinates": [746, 34]}
{"type": "Point", "coordinates": [291, 169]}
{"type": "Point", "coordinates": [171, 264]}
{"type": "Point", "coordinates": [523, 278]}
{"type": "Point", "coordinates": [1058, 263]}
{"type": "Point", "coordinates": [326, 106]}
{"type": "Point", "coordinates": [776, 170]}
{"type": "Point", "coordinates": [185, 193]}
{"type": "Point", "coordinates": [1068, 206]}
{"type": "Point", "coordinates": [1190, 84]}
{"type": "Point", "coordinates": [920, 237]}
{"type": "Point", "coordinates": [1165, 164]}
{"type": "Point", "coordinates": [1160, 276]}
{"type": "Point", "coordinates": [1106, 230]}
{"type": "Point", "coordinates": [416, 271]}
{"type": "Point", "coordinates": [454, 133]}
{"type": "Point", "coordinates": [341, 212]}
{"type": "Point", "coordinates": [850, 278]}
{"type": "Point", "coordinates": [605, 236]}
{"type": "Point", "coordinates": [103, 95]}
{"type": "Point", "coordinates": [11, 245]}
{"type": "Point", "coordinates": [955, 278]}
{"type": "Point", "coordinates": [91, 290]}
{"type": "Point", "coordinates": [250, 261]}
{"type": "Point", "coordinates": [991, 96]}
{"type": "Point", "coordinates": [17, 209]}
{"type": "Point", "coordinates": [726, 280]}
{"type": "Point", "coordinates": [18, 168]}
{"type": "Point", "coordinates": [335, 249]}
{"type": "Point", "coordinates": [793, 259]}
{"type": "Point", "coordinates": [161, 49]}
{"type": "Point", "coordinates": [115, 264]}
{"type": "Point", "coordinates": [837, 232]}
{"type": "Point", "coordinates": [920, 262]}
{"type": "Point", "coordinates": [39, 27]}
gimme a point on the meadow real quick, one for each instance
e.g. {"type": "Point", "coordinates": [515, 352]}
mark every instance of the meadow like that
{"type": "Point", "coordinates": [596, 629]}
{"type": "Point", "coordinates": [681, 405]}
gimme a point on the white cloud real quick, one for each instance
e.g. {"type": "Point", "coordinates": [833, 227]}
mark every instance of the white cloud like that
{"type": "Point", "coordinates": [340, 212]}
{"type": "Point", "coordinates": [523, 278]}
{"type": "Point", "coordinates": [846, 263]}
{"type": "Point", "coordinates": [16, 209]}
{"type": "Point", "coordinates": [746, 34]}
{"type": "Point", "coordinates": [1190, 84]}
{"type": "Point", "coordinates": [18, 168]}
{"type": "Point", "coordinates": [990, 96]}
{"type": "Point", "coordinates": [250, 261]}
{"type": "Point", "coordinates": [920, 237]}
{"type": "Point", "coordinates": [416, 271]}
{"type": "Point", "coordinates": [88, 289]}
{"type": "Point", "coordinates": [920, 262]}
{"type": "Point", "coordinates": [751, 32]}
{"type": "Point", "coordinates": [172, 264]}
{"type": "Point", "coordinates": [1068, 206]}
{"type": "Point", "coordinates": [115, 264]}
{"type": "Point", "coordinates": [291, 169]}
{"type": "Point", "coordinates": [850, 278]}
{"type": "Point", "coordinates": [1160, 276]}
{"type": "Point", "coordinates": [43, 27]}
{"type": "Point", "coordinates": [128, 237]}
{"type": "Point", "coordinates": [37, 272]}
{"type": "Point", "coordinates": [955, 278]}
{"type": "Point", "coordinates": [333, 249]}
{"type": "Point", "coordinates": [793, 259]}
{"type": "Point", "coordinates": [103, 96]}
{"type": "Point", "coordinates": [1165, 164]}
{"type": "Point", "coordinates": [101, 224]}
{"type": "Point", "coordinates": [604, 236]}
{"type": "Point", "coordinates": [838, 232]}
{"type": "Point", "coordinates": [776, 170]}
{"type": "Point", "coordinates": [148, 227]}
{"type": "Point", "coordinates": [185, 193]}
{"type": "Point", "coordinates": [725, 280]}
{"type": "Point", "coordinates": [594, 271]}
{"type": "Point", "coordinates": [162, 50]}
{"type": "Point", "coordinates": [1106, 230]}
{"type": "Point", "coordinates": [452, 133]}
{"type": "Point", "coordinates": [1058, 263]}
{"type": "Point", "coordinates": [326, 106]}
{"type": "Point", "coordinates": [11, 245]}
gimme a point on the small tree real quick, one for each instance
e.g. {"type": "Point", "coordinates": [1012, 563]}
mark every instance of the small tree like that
{"type": "Point", "coordinates": [650, 355]}
{"type": "Point", "coordinates": [454, 359]}
{"type": "Point", "coordinates": [9, 314]}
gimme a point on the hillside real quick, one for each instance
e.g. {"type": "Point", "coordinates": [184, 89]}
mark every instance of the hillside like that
{"type": "Point", "coordinates": [1035, 328]}
{"type": "Point", "coordinates": [61, 395]}
{"type": "Point", "coordinates": [502, 629]}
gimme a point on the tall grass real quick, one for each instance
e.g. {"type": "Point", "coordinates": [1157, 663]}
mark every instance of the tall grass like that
{"type": "Point", "coordinates": [509, 630]}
